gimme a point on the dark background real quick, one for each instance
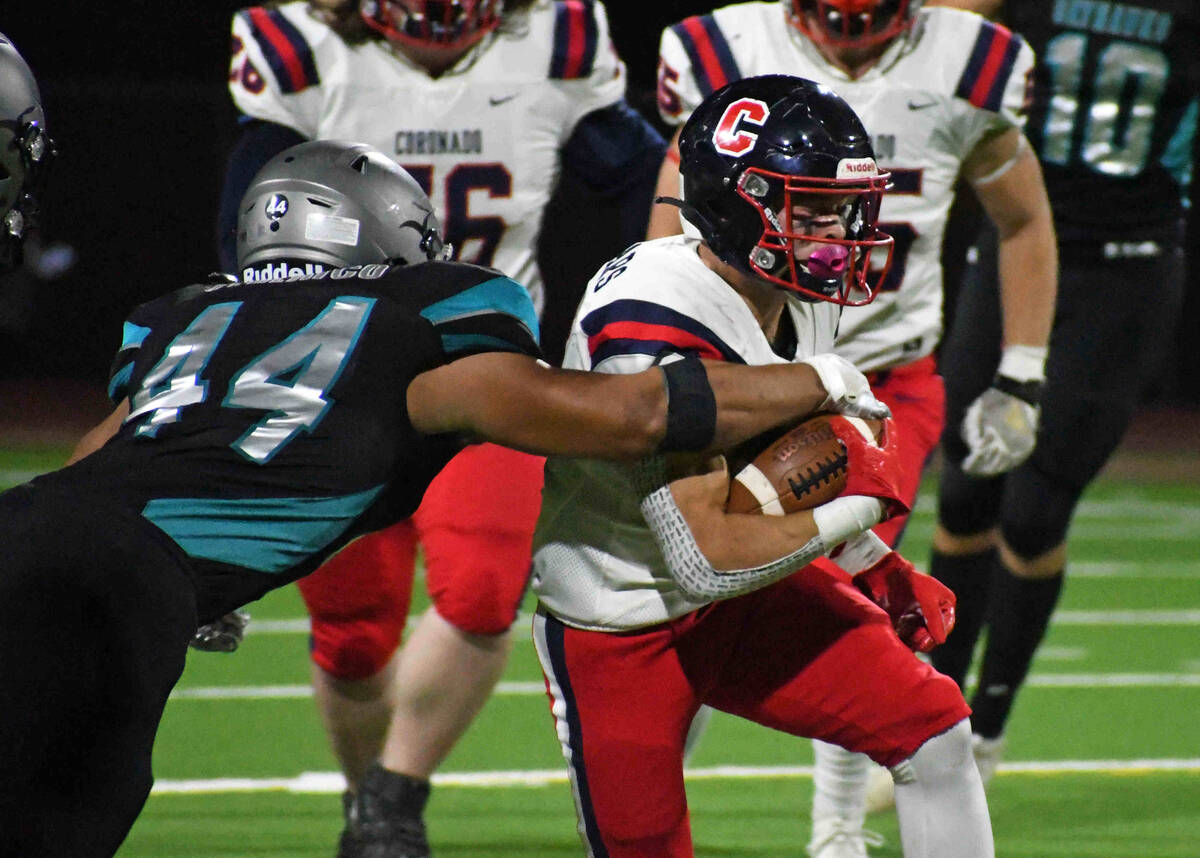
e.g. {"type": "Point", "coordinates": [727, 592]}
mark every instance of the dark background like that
{"type": "Point", "coordinates": [135, 97]}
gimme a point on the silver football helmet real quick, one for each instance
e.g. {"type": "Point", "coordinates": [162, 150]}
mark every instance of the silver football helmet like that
{"type": "Point", "coordinates": [335, 204]}
{"type": "Point", "coordinates": [25, 151]}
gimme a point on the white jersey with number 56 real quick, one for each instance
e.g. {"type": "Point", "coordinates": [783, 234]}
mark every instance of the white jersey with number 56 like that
{"type": "Point", "coordinates": [483, 139]}
{"type": "Point", "coordinates": [932, 97]}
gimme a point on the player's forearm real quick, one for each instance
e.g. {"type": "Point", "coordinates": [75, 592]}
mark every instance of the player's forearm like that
{"type": "Point", "coordinates": [711, 554]}
{"type": "Point", "coordinates": [511, 400]}
{"type": "Point", "coordinates": [751, 400]}
{"type": "Point", "coordinates": [98, 435]}
{"type": "Point", "coordinates": [731, 541]}
{"type": "Point", "coordinates": [627, 416]}
{"type": "Point", "coordinates": [1014, 196]}
{"type": "Point", "coordinates": [1028, 264]}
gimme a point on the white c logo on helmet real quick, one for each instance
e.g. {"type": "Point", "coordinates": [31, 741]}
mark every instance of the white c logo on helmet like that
{"type": "Point", "coordinates": [732, 139]}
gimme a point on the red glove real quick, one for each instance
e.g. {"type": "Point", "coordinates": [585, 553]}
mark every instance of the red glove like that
{"type": "Point", "coordinates": [921, 607]}
{"type": "Point", "coordinates": [872, 469]}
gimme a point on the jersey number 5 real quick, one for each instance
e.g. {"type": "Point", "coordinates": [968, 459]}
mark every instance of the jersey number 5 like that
{"type": "Point", "coordinates": [289, 381]}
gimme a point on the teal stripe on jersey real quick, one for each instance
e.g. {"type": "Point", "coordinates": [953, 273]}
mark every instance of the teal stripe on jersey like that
{"type": "Point", "coordinates": [133, 335]}
{"type": "Point", "coordinates": [1177, 158]}
{"type": "Point", "coordinates": [120, 381]}
{"type": "Point", "coordinates": [264, 534]}
{"type": "Point", "coordinates": [498, 295]}
{"type": "Point", "coordinates": [455, 343]}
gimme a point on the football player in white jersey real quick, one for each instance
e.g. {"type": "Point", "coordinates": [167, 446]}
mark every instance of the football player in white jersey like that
{"type": "Point", "coordinates": [942, 93]}
{"type": "Point", "coordinates": [653, 600]}
{"type": "Point", "coordinates": [485, 102]}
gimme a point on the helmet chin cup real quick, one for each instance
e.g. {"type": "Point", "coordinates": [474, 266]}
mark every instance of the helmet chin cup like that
{"type": "Point", "coordinates": [829, 262]}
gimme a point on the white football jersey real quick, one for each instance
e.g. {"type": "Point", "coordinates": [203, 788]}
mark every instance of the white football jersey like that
{"type": "Point", "coordinates": [483, 139]}
{"type": "Point", "coordinates": [596, 564]}
{"type": "Point", "coordinates": [933, 96]}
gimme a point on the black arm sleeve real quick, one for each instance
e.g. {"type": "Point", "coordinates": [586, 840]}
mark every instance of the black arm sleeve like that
{"type": "Point", "coordinates": [257, 144]}
{"type": "Point", "coordinates": [615, 152]}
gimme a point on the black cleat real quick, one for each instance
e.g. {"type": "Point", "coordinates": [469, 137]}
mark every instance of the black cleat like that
{"type": "Point", "coordinates": [384, 820]}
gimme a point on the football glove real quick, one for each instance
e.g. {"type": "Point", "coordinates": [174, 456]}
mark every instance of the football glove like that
{"type": "Point", "coordinates": [872, 470]}
{"type": "Point", "coordinates": [920, 607]}
{"type": "Point", "coordinates": [223, 635]}
{"type": "Point", "coordinates": [847, 390]}
{"type": "Point", "coordinates": [1000, 426]}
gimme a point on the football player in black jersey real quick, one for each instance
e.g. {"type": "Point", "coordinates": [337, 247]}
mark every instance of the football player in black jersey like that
{"type": "Point", "coordinates": [261, 425]}
{"type": "Point", "coordinates": [1113, 121]}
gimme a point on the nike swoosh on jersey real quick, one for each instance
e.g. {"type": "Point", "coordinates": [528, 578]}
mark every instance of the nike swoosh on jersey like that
{"type": "Point", "coordinates": [920, 105]}
{"type": "Point", "coordinates": [495, 102]}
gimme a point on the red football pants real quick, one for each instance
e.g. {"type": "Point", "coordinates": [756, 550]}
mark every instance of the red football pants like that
{"type": "Point", "coordinates": [917, 396]}
{"type": "Point", "coordinates": [808, 655]}
{"type": "Point", "coordinates": [475, 525]}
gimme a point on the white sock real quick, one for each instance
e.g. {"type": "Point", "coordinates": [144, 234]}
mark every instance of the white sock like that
{"type": "Point", "coordinates": [839, 783]}
{"type": "Point", "coordinates": [696, 730]}
{"type": "Point", "coordinates": [940, 802]}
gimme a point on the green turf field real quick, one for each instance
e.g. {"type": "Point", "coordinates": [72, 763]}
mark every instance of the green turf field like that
{"type": "Point", "coordinates": [1103, 758]}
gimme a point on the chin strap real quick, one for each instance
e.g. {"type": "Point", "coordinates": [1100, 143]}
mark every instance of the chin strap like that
{"type": "Point", "coordinates": [690, 212]}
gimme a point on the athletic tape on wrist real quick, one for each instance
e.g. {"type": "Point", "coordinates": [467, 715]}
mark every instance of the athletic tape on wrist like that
{"type": "Point", "coordinates": [691, 406]}
{"type": "Point", "coordinates": [844, 517]}
{"type": "Point", "coordinates": [862, 552]}
{"type": "Point", "coordinates": [1023, 363]}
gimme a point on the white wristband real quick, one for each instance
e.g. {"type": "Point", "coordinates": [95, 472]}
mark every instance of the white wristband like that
{"type": "Point", "coordinates": [845, 517]}
{"type": "Point", "coordinates": [1023, 363]}
{"type": "Point", "coordinates": [862, 552]}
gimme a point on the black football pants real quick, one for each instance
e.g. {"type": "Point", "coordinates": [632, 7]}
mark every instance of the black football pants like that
{"type": "Point", "coordinates": [96, 610]}
{"type": "Point", "coordinates": [1115, 318]}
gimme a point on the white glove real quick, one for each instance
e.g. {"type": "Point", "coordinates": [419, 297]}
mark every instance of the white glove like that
{"type": "Point", "coordinates": [223, 635]}
{"type": "Point", "coordinates": [1000, 426]}
{"type": "Point", "coordinates": [848, 391]}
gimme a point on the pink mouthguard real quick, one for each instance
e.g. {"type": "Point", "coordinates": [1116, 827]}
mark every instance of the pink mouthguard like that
{"type": "Point", "coordinates": [828, 262]}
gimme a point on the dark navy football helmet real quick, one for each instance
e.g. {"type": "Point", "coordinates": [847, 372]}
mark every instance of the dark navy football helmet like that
{"type": "Point", "coordinates": [853, 24]}
{"type": "Point", "coordinates": [760, 153]}
{"type": "Point", "coordinates": [25, 151]}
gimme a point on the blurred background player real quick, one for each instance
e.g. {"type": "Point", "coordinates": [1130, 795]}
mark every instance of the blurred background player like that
{"type": "Point", "coordinates": [1113, 121]}
{"type": "Point", "coordinates": [260, 426]}
{"type": "Point", "coordinates": [486, 102]}
{"type": "Point", "coordinates": [653, 603]}
{"type": "Point", "coordinates": [25, 153]}
{"type": "Point", "coordinates": [943, 94]}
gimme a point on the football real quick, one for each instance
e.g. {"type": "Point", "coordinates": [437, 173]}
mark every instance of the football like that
{"type": "Point", "coordinates": [803, 468]}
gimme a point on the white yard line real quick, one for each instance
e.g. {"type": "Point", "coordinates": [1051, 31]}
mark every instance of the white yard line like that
{"type": "Point", "coordinates": [1063, 618]}
{"type": "Point", "coordinates": [332, 782]}
{"type": "Point", "coordinates": [532, 689]}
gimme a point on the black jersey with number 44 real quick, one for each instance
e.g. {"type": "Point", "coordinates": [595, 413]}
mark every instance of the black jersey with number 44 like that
{"type": "Point", "coordinates": [268, 421]}
{"type": "Point", "coordinates": [1114, 111]}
